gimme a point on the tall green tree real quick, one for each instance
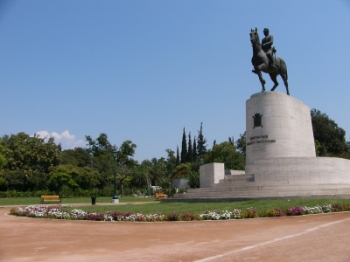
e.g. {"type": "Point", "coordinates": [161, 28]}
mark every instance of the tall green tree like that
{"type": "Point", "coordinates": [3, 160]}
{"type": "Point", "coordinates": [201, 143]}
{"type": "Point", "coordinates": [126, 164]}
{"type": "Point", "coordinates": [177, 155]}
{"type": "Point", "coordinates": [194, 149]}
{"type": "Point", "coordinates": [29, 159]}
{"type": "Point", "coordinates": [330, 136]}
{"type": "Point", "coordinates": [157, 170]}
{"type": "Point", "coordinates": [77, 157]}
{"type": "Point", "coordinates": [184, 147]}
{"type": "Point", "coordinates": [63, 176]}
{"type": "Point", "coordinates": [100, 145]}
{"type": "Point", "coordinates": [241, 143]}
{"type": "Point", "coordinates": [225, 152]}
{"type": "Point", "coordinates": [171, 161]}
{"type": "Point", "coordinates": [190, 150]}
{"type": "Point", "coordinates": [125, 154]}
{"type": "Point", "coordinates": [102, 157]}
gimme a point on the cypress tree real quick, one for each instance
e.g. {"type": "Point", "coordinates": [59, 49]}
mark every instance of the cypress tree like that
{"type": "Point", "coordinates": [194, 149]}
{"type": "Point", "coordinates": [184, 148]}
{"type": "Point", "coordinates": [201, 146]}
{"type": "Point", "coordinates": [177, 156]}
{"type": "Point", "coordinates": [190, 151]}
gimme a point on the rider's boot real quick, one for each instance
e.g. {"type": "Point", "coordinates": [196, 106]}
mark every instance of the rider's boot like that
{"type": "Point", "coordinates": [272, 64]}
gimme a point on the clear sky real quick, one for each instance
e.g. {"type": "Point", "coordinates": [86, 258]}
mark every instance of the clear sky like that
{"type": "Point", "coordinates": [143, 70]}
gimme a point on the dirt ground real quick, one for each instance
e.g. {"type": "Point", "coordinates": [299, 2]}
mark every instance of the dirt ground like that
{"type": "Point", "coordinates": [324, 237]}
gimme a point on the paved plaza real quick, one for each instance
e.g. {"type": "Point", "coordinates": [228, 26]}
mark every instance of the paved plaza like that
{"type": "Point", "coordinates": [324, 237]}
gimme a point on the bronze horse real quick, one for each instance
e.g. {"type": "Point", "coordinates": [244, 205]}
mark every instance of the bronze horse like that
{"type": "Point", "coordinates": [260, 62]}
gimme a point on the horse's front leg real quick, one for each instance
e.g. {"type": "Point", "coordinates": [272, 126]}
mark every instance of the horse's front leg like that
{"type": "Point", "coordinates": [262, 80]}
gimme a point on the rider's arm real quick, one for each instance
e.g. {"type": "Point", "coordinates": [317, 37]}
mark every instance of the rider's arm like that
{"type": "Point", "coordinates": [270, 41]}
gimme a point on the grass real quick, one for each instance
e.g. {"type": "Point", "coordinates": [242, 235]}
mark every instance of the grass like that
{"type": "Point", "coordinates": [168, 208]}
{"type": "Point", "coordinates": [69, 200]}
{"type": "Point", "coordinates": [198, 208]}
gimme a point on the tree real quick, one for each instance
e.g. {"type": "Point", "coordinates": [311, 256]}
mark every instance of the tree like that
{"type": "Point", "coordinates": [183, 167]}
{"type": "Point", "coordinates": [73, 177]}
{"type": "Point", "coordinates": [62, 176]}
{"type": "Point", "coordinates": [171, 161]}
{"type": "Point", "coordinates": [193, 179]}
{"type": "Point", "coordinates": [201, 143]}
{"type": "Point", "coordinates": [241, 143]}
{"type": "Point", "coordinates": [102, 156]}
{"type": "Point", "coordinates": [126, 164]}
{"type": "Point", "coordinates": [30, 158]}
{"type": "Point", "coordinates": [3, 160]}
{"type": "Point", "coordinates": [177, 156]}
{"type": "Point", "coordinates": [99, 145]}
{"type": "Point", "coordinates": [77, 157]}
{"type": "Point", "coordinates": [125, 154]}
{"type": "Point", "coordinates": [125, 175]}
{"type": "Point", "coordinates": [157, 170]}
{"type": "Point", "coordinates": [194, 148]}
{"type": "Point", "coordinates": [190, 151]}
{"type": "Point", "coordinates": [329, 135]}
{"type": "Point", "coordinates": [184, 148]}
{"type": "Point", "coordinates": [226, 153]}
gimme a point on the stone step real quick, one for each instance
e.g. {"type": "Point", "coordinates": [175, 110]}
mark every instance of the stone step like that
{"type": "Point", "coordinates": [238, 178]}
{"type": "Point", "coordinates": [265, 191]}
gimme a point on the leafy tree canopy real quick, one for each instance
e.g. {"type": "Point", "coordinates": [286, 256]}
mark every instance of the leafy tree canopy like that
{"type": "Point", "coordinates": [30, 153]}
{"type": "Point", "coordinates": [226, 153]}
{"type": "Point", "coordinates": [330, 136]}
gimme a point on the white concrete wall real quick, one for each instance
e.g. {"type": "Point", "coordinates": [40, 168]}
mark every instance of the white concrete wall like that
{"type": "Point", "coordinates": [210, 174]}
{"type": "Point", "coordinates": [286, 129]}
{"type": "Point", "coordinates": [301, 171]}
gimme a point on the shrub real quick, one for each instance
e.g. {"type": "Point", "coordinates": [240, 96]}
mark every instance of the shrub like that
{"type": "Point", "coordinates": [270, 213]}
{"type": "Point", "coordinates": [250, 213]}
{"type": "Point", "coordinates": [173, 217]}
{"type": "Point", "coordinates": [337, 208]}
{"type": "Point", "coordinates": [280, 213]}
{"type": "Point", "coordinates": [189, 217]}
{"type": "Point", "coordinates": [296, 211]}
{"type": "Point", "coordinates": [346, 207]}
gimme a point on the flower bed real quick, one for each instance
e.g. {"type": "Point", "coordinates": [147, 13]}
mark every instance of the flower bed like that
{"type": "Point", "coordinates": [58, 212]}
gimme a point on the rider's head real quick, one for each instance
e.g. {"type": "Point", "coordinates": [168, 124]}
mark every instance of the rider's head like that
{"type": "Point", "coordinates": [266, 31]}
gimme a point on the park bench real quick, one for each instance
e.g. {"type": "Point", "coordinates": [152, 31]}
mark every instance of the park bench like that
{"type": "Point", "coordinates": [46, 199]}
{"type": "Point", "coordinates": [161, 195]}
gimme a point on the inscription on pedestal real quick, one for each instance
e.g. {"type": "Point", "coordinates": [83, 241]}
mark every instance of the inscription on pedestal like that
{"type": "Point", "coordinates": [260, 139]}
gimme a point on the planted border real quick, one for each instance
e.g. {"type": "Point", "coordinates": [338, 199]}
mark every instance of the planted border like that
{"type": "Point", "coordinates": [59, 212]}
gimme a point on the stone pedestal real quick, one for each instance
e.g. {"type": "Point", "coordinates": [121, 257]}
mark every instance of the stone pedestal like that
{"type": "Point", "coordinates": [278, 125]}
{"type": "Point", "coordinates": [115, 201]}
{"type": "Point", "coordinates": [281, 158]}
{"type": "Point", "coordinates": [211, 174]}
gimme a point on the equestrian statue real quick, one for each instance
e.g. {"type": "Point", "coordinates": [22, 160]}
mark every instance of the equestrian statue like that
{"type": "Point", "coordinates": [264, 60]}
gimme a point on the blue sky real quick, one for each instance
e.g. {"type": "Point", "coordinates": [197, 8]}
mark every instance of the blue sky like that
{"type": "Point", "coordinates": [143, 70]}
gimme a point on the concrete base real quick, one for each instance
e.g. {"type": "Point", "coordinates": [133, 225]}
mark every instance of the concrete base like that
{"type": "Point", "coordinates": [115, 201]}
{"type": "Point", "coordinates": [281, 159]}
{"type": "Point", "coordinates": [211, 174]}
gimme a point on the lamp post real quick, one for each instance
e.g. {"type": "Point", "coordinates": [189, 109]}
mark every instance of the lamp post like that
{"type": "Point", "coordinates": [115, 199]}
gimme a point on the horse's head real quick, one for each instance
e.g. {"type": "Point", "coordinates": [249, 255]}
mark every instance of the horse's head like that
{"type": "Point", "coordinates": [254, 36]}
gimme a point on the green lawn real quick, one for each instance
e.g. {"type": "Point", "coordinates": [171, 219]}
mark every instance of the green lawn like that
{"type": "Point", "coordinates": [69, 200]}
{"type": "Point", "coordinates": [198, 208]}
{"type": "Point", "coordinates": [154, 206]}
